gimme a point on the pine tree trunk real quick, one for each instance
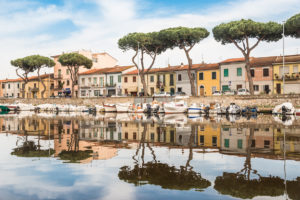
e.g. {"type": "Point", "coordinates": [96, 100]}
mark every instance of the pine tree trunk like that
{"type": "Point", "coordinates": [251, 89]}
{"type": "Point", "coordinates": [41, 81]}
{"type": "Point", "coordinates": [191, 78]}
{"type": "Point", "coordinates": [142, 76]}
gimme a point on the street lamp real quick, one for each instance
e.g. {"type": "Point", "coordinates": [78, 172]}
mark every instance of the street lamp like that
{"type": "Point", "coordinates": [283, 67]}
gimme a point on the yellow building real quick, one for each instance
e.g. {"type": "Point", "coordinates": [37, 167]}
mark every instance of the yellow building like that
{"type": "Point", "coordinates": [166, 80]}
{"type": "Point", "coordinates": [209, 135]}
{"type": "Point", "coordinates": [208, 79]}
{"type": "Point", "coordinates": [34, 88]}
{"type": "Point", "coordinates": [291, 75]}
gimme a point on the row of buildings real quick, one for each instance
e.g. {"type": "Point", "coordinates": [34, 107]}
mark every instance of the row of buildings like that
{"type": "Point", "coordinates": [107, 78]}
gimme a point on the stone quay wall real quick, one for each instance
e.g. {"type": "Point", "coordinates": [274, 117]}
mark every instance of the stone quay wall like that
{"type": "Point", "coordinates": [262, 102]}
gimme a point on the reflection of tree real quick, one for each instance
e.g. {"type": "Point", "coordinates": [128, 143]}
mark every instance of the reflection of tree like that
{"type": "Point", "coordinates": [156, 173]}
{"type": "Point", "coordinates": [73, 154]}
{"type": "Point", "coordinates": [293, 188]}
{"type": "Point", "coordinates": [241, 185]}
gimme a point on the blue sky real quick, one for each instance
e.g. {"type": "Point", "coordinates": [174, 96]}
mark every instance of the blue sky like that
{"type": "Point", "coordinates": [49, 27]}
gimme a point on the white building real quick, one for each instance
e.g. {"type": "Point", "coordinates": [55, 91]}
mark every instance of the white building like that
{"type": "Point", "coordinates": [11, 88]}
{"type": "Point", "coordinates": [101, 82]}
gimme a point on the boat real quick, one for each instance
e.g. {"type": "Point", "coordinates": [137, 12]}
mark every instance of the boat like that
{"type": "Point", "coordinates": [109, 107]}
{"type": "Point", "coordinates": [216, 108]}
{"type": "Point", "coordinates": [284, 109]}
{"type": "Point", "coordinates": [122, 107]}
{"type": "Point", "coordinates": [249, 110]}
{"type": "Point", "coordinates": [196, 109]}
{"type": "Point", "coordinates": [175, 107]}
{"type": "Point", "coordinates": [297, 112]}
{"type": "Point", "coordinates": [233, 109]}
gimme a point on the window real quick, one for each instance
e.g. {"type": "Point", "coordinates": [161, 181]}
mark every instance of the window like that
{"type": "Point", "coordinates": [151, 79]}
{"type": "Point", "coordinates": [253, 143]}
{"type": "Point", "coordinates": [59, 72]}
{"type": "Point", "coordinates": [134, 79]}
{"type": "Point", "coordinates": [213, 89]}
{"type": "Point", "coordinates": [125, 79]}
{"type": "Point", "coordinates": [83, 93]}
{"type": "Point", "coordinates": [239, 87]}
{"type": "Point", "coordinates": [214, 75]}
{"type": "Point", "coordinates": [134, 135]}
{"type": "Point", "coordinates": [240, 143]}
{"type": "Point", "coordinates": [90, 80]}
{"type": "Point", "coordinates": [96, 93]}
{"type": "Point", "coordinates": [152, 90]}
{"type": "Point", "coordinates": [295, 69]}
{"type": "Point", "coordinates": [68, 82]}
{"type": "Point", "coordinates": [252, 72]}
{"type": "Point", "coordinates": [171, 79]}
{"type": "Point", "coordinates": [226, 73]}
{"type": "Point", "coordinates": [111, 80]}
{"type": "Point", "coordinates": [119, 78]}
{"type": "Point", "coordinates": [214, 141]}
{"type": "Point", "coordinates": [34, 85]}
{"type": "Point", "coordinates": [3, 86]}
{"type": "Point", "coordinates": [266, 143]}
{"type": "Point", "coordinates": [202, 128]}
{"type": "Point", "coordinates": [95, 60]}
{"type": "Point", "coordinates": [202, 139]}
{"type": "Point", "coordinates": [266, 72]}
{"type": "Point", "coordinates": [226, 143]}
{"type": "Point", "coordinates": [82, 81]}
{"type": "Point", "coordinates": [201, 76]}
{"type": "Point", "coordinates": [101, 81]}
{"type": "Point", "coordinates": [8, 86]}
{"type": "Point", "coordinates": [95, 80]}
{"type": "Point", "coordinates": [256, 87]}
{"type": "Point", "coordinates": [179, 77]}
{"type": "Point", "coordinates": [225, 88]}
{"type": "Point", "coordinates": [18, 85]}
{"type": "Point", "coordinates": [67, 71]}
{"type": "Point", "coordinates": [239, 71]}
{"type": "Point", "coordinates": [179, 89]}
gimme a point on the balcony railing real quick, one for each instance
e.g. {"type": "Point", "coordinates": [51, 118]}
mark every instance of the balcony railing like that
{"type": "Point", "coordinates": [288, 77]}
{"type": "Point", "coordinates": [110, 85]}
{"type": "Point", "coordinates": [57, 77]}
{"type": "Point", "coordinates": [34, 89]}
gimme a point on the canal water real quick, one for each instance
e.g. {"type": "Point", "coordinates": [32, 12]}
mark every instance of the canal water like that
{"type": "Point", "coordinates": [81, 156]}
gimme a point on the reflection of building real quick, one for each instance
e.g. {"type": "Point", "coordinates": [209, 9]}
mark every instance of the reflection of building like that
{"type": "Point", "coordinates": [234, 139]}
{"type": "Point", "coordinates": [209, 135]}
{"type": "Point", "coordinates": [292, 142]}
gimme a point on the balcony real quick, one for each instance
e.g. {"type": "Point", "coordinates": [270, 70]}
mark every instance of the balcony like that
{"type": "Point", "coordinates": [160, 84]}
{"type": "Point", "coordinates": [288, 77]}
{"type": "Point", "coordinates": [110, 85]}
{"type": "Point", "coordinates": [34, 89]}
{"type": "Point", "coordinates": [58, 77]}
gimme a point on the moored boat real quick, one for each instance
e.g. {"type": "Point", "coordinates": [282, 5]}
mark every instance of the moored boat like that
{"type": "Point", "coordinates": [284, 109]}
{"type": "Point", "coordinates": [196, 109]}
{"type": "Point", "coordinates": [175, 107]}
{"type": "Point", "coordinates": [122, 107]}
{"type": "Point", "coordinates": [110, 107]}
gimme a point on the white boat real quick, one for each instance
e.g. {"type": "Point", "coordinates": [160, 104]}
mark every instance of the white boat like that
{"type": "Point", "coordinates": [233, 109]}
{"type": "Point", "coordinates": [175, 107]}
{"type": "Point", "coordinates": [297, 112]}
{"type": "Point", "coordinates": [216, 109]}
{"type": "Point", "coordinates": [139, 108]}
{"type": "Point", "coordinates": [284, 108]}
{"type": "Point", "coordinates": [122, 107]}
{"type": "Point", "coordinates": [110, 107]}
{"type": "Point", "coordinates": [196, 109]}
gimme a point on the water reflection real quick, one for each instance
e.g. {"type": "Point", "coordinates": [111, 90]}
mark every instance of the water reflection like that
{"type": "Point", "coordinates": [215, 155]}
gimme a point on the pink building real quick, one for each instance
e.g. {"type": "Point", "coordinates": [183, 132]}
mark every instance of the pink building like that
{"type": "Point", "coordinates": [62, 77]}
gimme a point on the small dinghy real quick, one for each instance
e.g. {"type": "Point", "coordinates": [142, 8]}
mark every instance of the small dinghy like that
{"type": "Point", "coordinates": [284, 109]}
{"type": "Point", "coordinates": [233, 109]}
{"type": "Point", "coordinates": [196, 109]}
{"type": "Point", "coordinates": [249, 110]}
{"type": "Point", "coordinates": [175, 107]}
{"type": "Point", "coordinates": [109, 107]}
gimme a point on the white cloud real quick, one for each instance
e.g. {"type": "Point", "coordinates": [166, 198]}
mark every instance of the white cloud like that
{"type": "Point", "coordinates": [115, 18]}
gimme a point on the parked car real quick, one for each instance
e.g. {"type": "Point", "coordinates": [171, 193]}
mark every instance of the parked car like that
{"type": "Point", "coordinates": [162, 94]}
{"type": "Point", "coordinates": [217, 93]}
{"type": "Point", "coordinates": [243, 91]}
{"type": "Point", "coordinates": [229, 92]}
{"type": "Point", "coordinates": [180, 93]}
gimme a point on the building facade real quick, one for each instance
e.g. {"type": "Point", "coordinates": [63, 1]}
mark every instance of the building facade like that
{"type": "Point", "coordinates": [208, 79]}
{"type": "Point", "coordinates": [11, 88]}
{"type": "Point", "coordinates": [34, 88]}
{"type": "Point", "coordinates": [287, 78]}
{"type": "Point", "coordinates": [232, 72]}
{"type": "Point", "coordinates": [183, 81]}
{"type": "Point", "coordinates": [62, 75]}
{"type": "Point", "coordinates": [102, 82]}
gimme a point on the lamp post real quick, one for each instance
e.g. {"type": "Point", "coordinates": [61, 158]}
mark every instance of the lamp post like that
{"type": "Point", "coordinates": [283, 67]}
{"type": "Point", "coordinates": [138, 65]}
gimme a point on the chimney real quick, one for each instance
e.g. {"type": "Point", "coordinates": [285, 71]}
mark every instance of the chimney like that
{"type": "Point", "coordinates": [181, 64]}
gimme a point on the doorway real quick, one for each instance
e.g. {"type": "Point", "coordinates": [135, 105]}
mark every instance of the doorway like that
{"type": "Point", "coordinates": [278, 88]}
{"type": "Point", "coordinates": [201, 90]}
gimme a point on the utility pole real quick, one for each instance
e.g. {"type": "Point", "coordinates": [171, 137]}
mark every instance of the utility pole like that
{"type": "Point", "coordinates": [283, 67]}
{"type": "Point", "coordinates": [138, 65]}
